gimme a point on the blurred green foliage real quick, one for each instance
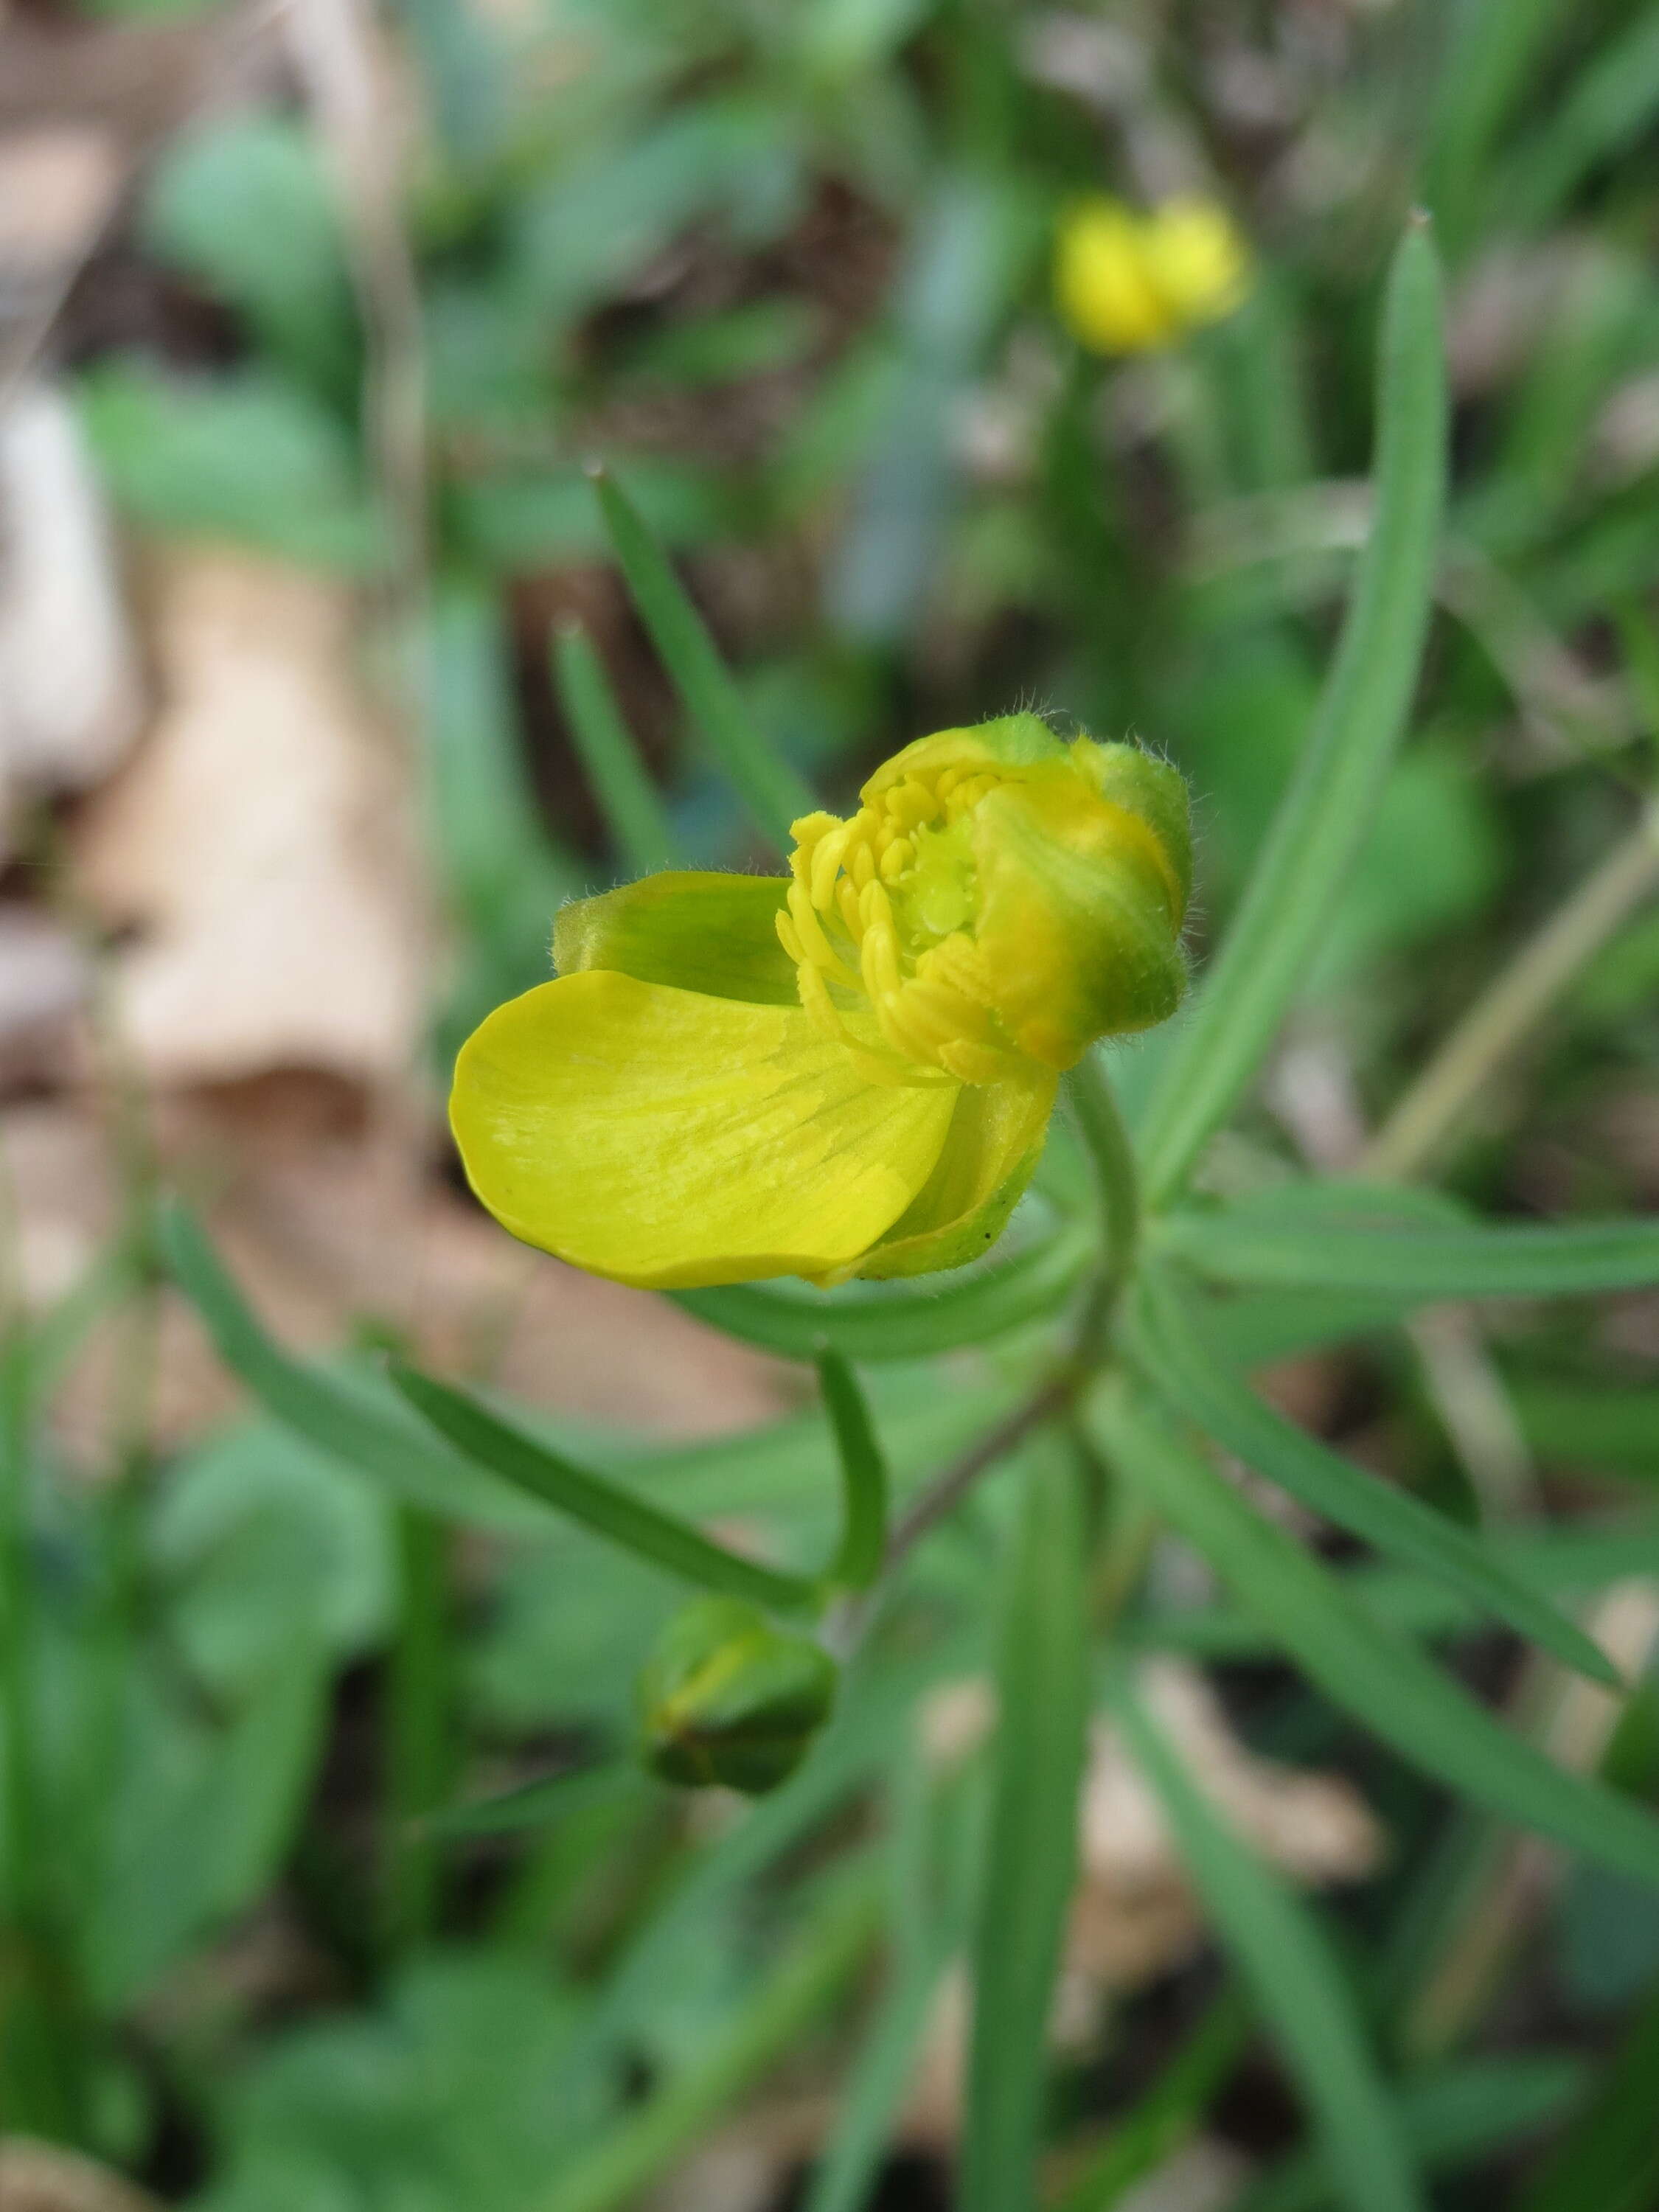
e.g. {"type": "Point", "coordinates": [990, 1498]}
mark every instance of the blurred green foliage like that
{"type": "Point", "coordinates": [782, 266]}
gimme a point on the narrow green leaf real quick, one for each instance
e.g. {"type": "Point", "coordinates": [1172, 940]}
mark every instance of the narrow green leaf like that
{"type": "Point", "coordinates": [597, 1502]}
{"type": "Point", "coordinates": [1325, 814]}
{"type": "Point", "coordinates": [1154, 2129]}
{"type": "Point", "coordinates": [531, 1805]}
{"type": "Point", "coordinates": [633, 813]}
{"type": "Point", "coordinates": [925, 1908]}
{"type": "Point", "coordinates": [1464, 2112]}
{"type": "Point", "coordinates": [767, 2025]}
{"type": "Point", "coordinates": [1032, 1853]}
{"type": "Point", "coordinates": [1282, 1952]}
{"type": "Point", "coordinates": [1609, 2161]}
{"type": "Point", "coordinates": [1184, 1369]}
{"type": "Point", "coordinates": [871, 1324]}
{"type": "Point", "coordinates": [773, 794]}
{"type": "Point", "coordinates": [1610, 102]}
{"type": "Point", "coordinates": [374, 1435]}
{"type": "Point", "coordinates": [1568, 1559]}
{"type": "Point", "coordinates": [1590, 1424]}
{"type": "Point", "coordinates": [864, 1477]}
{"type": "Point", "coordinates": [1362, 1666]}
{"type": "Point", "coordinates": [1424, 1264]}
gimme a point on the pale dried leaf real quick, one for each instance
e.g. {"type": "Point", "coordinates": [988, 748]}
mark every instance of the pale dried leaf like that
{"type": "Point", "coordinates": [40, 2177]}
{"type": "Point", "coordinates": [71, 695]}
{"type": "Point", "coordinates": [259, 842]}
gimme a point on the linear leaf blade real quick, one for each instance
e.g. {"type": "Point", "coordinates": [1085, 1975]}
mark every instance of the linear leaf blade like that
{"type": "Point", "coordinates": [1298, 1985]}
{"type": "Point", "coordinates": [599, 1503]}
{"type": "Point", "coordinates": [634, 812]}
{"type": "Point", "coordinates": [1180, 1364]}
{"type": "Point", "coordinates": [1423, 1265]}
{"type": "Point", "coordinates": [1032, 1850]}
{"type": "Point", "coordinates": [1324, 815]}
{"type": "Point", "coordinates": [883, 1323]}
{"type": "Point", "coordinates": [1366, 1669]}
{"type": "Point", "coordinates": [401, 1454]}
{"type": "Point", "coordinates": [771, 790]}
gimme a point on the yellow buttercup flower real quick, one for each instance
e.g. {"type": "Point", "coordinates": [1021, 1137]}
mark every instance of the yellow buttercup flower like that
{"type": "Point", "coordinates": [1129, 283]}
{"type": "Point", "coordinates": [849, 1070]}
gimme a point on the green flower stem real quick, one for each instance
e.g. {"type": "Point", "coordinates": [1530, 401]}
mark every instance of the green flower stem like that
{"type": "Point", "coordinates": [1502, 1019]}
{"type": "Point", "coordinates": [811, 1974]}
{"type": "Point", "coordinates": [865, 1486]}
{"type": "Point", "coordinates": [1111, 1154]}
{"type": "Point", "coordinates": [1106, 1138]}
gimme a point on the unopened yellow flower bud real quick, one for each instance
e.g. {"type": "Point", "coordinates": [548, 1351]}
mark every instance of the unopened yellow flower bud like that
{"type": "Point", "coordinates": [1129, 283]}
{"type": "Point", "coordinates": [727, 1699]}
{"type": "Point", "coordinates": [1000, 899]}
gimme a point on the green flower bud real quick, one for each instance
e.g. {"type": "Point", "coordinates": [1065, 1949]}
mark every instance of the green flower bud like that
{"type": "Point", "coordinates": [727, 1697]}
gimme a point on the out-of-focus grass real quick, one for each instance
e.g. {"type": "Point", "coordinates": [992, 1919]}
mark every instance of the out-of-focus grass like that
{"type": "Point", "coordinates": [785, 270]}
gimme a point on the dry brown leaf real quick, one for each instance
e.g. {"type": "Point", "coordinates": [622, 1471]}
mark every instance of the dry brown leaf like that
{"type": "Point", "coordinates": [70, 689]}
{"type": "Point", "coordinates": [58, 183]}
{"type": "Point", "coordinates": [259, 842]}
{"type": "Point", "coordinates": [1133, 1914]}
{"type": "Point", "coordinates": [327, 1220]}
{"type": "Point", "coordinates": [40, 2177]}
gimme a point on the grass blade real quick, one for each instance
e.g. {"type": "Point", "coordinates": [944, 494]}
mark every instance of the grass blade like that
{"type": "Point", "coordinates": [771, 790]}
{"type": "Point", "coordinates": [1032, 1851]}
{"type": "Point", "coordinates": [1155, 2129]}
{"type": "Point", "coordinates": [1610, 103]}
{"type": "Point", "coordinates": [1323, 816]}
{"type": "Point", "coordinates": [1185, 1372]}
{"type": "Point", "coordinates": [1424, 1264]}
{"type": "Point", "coordinates": [1366, 1668]}
{"type": "Point", "coordinates": [768, 2024]}
{"type": "Point", "coordinates": [925, 1908]}
{"type": "Point", "coordinates": [1461, 2113]}
{"type": "Point", "coordinates": [599, 1504]}
{"type": "Point", "coordinates": [401, 1454]}
{"type": "Point", "coordinates": [633, 813]}
{"type": "Point", "coordinates": [1609, 2160]}
{"type": "Point", "coordinates": [865, 1485]}
{"type": "Point", "coordinates": [1282, 1952]}
{"type": "Point", "coordinates": [869, 1325]}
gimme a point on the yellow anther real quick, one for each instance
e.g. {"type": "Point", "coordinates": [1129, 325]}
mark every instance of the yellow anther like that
{"type": "Point", "coordinates": [863, 866]}
{"type": "Point", "coordinates": [897, 859]}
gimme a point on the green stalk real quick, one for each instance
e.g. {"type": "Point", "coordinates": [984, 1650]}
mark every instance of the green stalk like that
{"type": "Point", "coordinates": [1105, 1134]}
{"type": "Point", "coordinates": [864, 1477]}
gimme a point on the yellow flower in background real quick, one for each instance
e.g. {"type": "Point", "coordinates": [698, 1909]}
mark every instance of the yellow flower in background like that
{"type": "Point", "coordinates": [849, 1070]}
{"type": "Point", "coordinates": [1129, 283]}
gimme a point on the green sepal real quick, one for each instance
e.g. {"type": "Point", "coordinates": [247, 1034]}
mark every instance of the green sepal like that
{"type": "Point", "coordinates": [727, 1699]}
{"type": "Point", "coordinates": [695, 930]}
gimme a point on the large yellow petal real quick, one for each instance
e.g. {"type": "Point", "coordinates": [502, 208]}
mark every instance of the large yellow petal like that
{"type": "Point", "coordinates": [674, 1141]}
{"type": "Point", "coordinates": [989, 1155]}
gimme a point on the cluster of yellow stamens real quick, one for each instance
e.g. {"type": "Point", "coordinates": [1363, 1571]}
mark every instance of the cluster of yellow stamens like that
{"type": "Point", "coordinates": [879, 917]}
